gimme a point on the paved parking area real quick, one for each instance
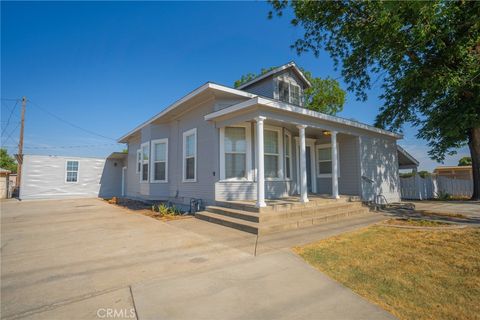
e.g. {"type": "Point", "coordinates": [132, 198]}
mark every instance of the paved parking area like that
{"type": "Point", "coordinates": [80, 259]}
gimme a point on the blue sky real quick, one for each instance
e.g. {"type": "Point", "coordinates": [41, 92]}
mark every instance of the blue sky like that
{"type": "Point", "coordinates": [107, 67]}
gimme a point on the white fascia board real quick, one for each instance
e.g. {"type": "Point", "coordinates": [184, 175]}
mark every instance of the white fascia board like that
{"type": "Point", "coordinates": [208, 85]}
{"type": "Point", "coordinates": [276, 70]}
{"type": "Point", "coordinates": [323, 116]}
{"type": "Point", "coordinates": [299, 110]}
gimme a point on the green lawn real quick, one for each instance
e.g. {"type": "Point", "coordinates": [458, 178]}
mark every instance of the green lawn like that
{"type": "Point", "coordinates": [414, 274]}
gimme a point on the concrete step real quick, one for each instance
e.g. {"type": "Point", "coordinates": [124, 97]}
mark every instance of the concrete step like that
{"type": "Point", "coordinates": [234, 213]}
{"type": "Point", "coordinates": [292, 224]}
{"type": "Point", "coordinates": [240, 224]}
{"type": "Point", "coordinates": [310, 211]}
{"type": "Point", "coordinates": [280, 205]}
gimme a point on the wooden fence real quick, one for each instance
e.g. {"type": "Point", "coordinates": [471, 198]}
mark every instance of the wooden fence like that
{"type": "Point", "coordinates": [418, 188]}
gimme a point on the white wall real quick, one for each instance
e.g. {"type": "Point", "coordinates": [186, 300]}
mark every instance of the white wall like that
{"type": "Point", "coordinates": [43, 177]}
{"type": "Point", "coordinates": [379, 168]}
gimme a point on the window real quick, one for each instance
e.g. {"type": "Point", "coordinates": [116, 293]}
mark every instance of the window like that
{"type": "Point", "coordinates": [288, 155]}
{"type": "Point", "coordinates": [272, 152]}
{"type": "Point", "coordinates": [235, 144]}
{"type": "Point", "coordinates": [72, 171]}
{"type": "Point", "coordinates": [139, 161]}
{"type": "Point", "coordinates": [190, 155]}
{"type": "Point", "coordinates": [324, 160]}
{"type": "Point", "coordinates": [283, 91]}
{"type": "Point", "coordinates": [145, 153]}
{"type": "Point", "coordinates": [289, 92]}
{"type": "Point", "coordinates": [294, 94]}
{"type": "Point", "coordinates": [159, 154]}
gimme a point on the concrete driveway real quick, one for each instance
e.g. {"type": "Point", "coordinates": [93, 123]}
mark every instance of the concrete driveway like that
{"type": "Point", "coordinates": [86, 259]}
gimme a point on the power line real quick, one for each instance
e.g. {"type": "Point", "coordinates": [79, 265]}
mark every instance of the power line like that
{"type": "Point", "coordinates": [70, 147]}
{"type": "Point", "coordinates": [11, 133]}
{"type": "Point", "coordinates": [9, 118]}
{"type": "Point", "coordinates": [6, 99]}
{"type": "Point", "coordinates": [70, 123]}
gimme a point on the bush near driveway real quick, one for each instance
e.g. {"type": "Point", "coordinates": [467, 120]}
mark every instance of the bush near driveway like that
{"type": "Point", "coordinates": [413, 274]}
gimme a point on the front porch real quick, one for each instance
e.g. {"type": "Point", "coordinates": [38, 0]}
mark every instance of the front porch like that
{"type": "Point", "coordinates": [284, 214]}
{"type": "Point", "coordinates": [271, 158]}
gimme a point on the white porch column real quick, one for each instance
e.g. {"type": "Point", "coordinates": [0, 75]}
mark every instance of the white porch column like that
{"type": "Point", "coordinates": [303, 165]}
{"type": "Point", "coordinates": [334, 165]}
{"type": "Point", "coordinates": [260, 167]}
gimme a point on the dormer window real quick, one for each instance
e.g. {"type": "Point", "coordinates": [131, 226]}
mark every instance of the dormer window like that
{"type": "Point", "coordinates": [289, 92]}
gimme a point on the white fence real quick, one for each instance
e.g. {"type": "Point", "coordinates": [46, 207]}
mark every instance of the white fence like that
{"type": "Point", "coordinates": [418, 188]}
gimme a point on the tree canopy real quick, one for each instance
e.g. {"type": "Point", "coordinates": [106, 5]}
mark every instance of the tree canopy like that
{"type": "Point", "coordinates": [465, 161]}
{"type": "Point", "coordinates": [325, 95]}
{"type": "Point", "coordinates": [7, 162]}
{"type": "Point", "coordinates": [426, 55]}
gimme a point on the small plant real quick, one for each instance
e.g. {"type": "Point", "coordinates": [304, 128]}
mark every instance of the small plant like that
{"type": "Point", "coordinates": [444, 195]}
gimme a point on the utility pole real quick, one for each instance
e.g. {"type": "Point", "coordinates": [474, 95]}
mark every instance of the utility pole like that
{"type": "Point", "coordinates": [20, 144]}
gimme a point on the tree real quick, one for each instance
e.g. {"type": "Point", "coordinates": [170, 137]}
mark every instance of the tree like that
{"type": "Point", "coordinates": [427, 55]}
{"type": "Point", "coordinates": [465, 161]}
{"type": "Point", "coordinates": [325, 95]}
{"type": "Point", "coordinates": [7, 162]}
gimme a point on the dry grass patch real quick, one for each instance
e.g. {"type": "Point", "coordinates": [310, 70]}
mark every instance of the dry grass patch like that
{"type": "Point", "coordinates": [417, 223]}
{"type": "Point", "coordinates": [414, 274]}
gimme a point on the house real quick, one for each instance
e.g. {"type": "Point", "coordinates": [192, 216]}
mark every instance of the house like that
{"type": "Point", "coordinates": [258, 142]}
{"type": "Point", "coordinates": [454, 172]}
{"type": "Point", "coordinates": [60, 177]}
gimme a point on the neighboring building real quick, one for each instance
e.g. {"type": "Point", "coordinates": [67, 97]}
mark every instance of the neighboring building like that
{"type": "Point", "coordinates": [455, 172]}
{"type": "Point", "coordinates": [255, 142]}
{"type": "Point", "coordinates": [54, 177]}
{"type": "Point", "coordinates": [4, 183]}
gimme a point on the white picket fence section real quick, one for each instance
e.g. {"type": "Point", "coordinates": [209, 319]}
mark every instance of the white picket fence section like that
{"type": "Point", "coordinates": [418, 188]}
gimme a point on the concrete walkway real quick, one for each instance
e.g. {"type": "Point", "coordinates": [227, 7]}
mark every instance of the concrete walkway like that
{"type": "Point", "coordinates": [80, 259]}
{"type": "Point", "coordinates": [470, 209]}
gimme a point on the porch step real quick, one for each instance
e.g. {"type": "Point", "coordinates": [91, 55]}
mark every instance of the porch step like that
{"type": "Point", "coordinates": [309, 212]}
{"type": "Point", "coordinates": [224, 220]}
{"type": "Point", "coordinates": [292, 224]}
{"type": "Point", "coordinates": [279, 205]}
{"type": "Point", "coordinates": [270, 222]}
{"type": "Point", "coordinates": [235, 213]}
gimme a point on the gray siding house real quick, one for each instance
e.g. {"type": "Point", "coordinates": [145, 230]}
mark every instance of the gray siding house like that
{"type": "Point", "coordinates": [254, 143]}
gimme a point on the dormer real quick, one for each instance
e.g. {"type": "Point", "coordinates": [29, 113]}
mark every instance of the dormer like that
{"type": "Point", "coordinates": [285, 83]}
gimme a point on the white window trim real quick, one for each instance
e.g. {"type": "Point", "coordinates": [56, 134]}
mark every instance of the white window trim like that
{"type": "Point", "coordinates": [185, 135]}
{"type": "Point", "coordinates": [147, 144]}
{"type": "Point", "coordinates": [289, 135]}
{"type": "Point", "coordinates": [291, 82]}
{"type": "Point", "coordinates": [279, 130]}
{"type": "Point", "coordinates": [152, 160]}
{"type": "Point", "coordinates": [290, 85]}
{"type": "Point", "coordinates": [248, 157]}
{"type": "Point", "coordinates": [78, 171]}
{"type": "Point", "coordinates": [138, 160]}
{"type": "Point", "coordinates": [322, 146]}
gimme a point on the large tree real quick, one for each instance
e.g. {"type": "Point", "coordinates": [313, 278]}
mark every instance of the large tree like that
{"type": "Point", "coordinates": [325, 95]}
{"type": "Point", "coordinates": [425, 53]}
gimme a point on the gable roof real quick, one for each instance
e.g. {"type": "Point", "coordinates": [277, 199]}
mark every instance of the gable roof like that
{"type": "Point", "coordinates": [253, 99]}
{"type": "Point", "coordinates": [192, 94]}
{"type": "Point", "coordinates": [277, 70]}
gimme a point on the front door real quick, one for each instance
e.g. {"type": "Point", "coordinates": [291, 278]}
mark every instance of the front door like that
{"type": "Point", "coordinates": [308, 151]}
